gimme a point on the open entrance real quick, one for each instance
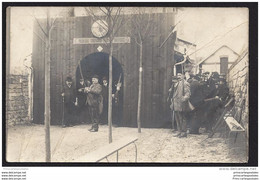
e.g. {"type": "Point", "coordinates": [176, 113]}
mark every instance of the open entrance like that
{"type": "Point", "coordinates": [98, 64]}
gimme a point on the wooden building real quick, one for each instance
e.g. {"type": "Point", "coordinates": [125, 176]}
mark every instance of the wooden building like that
{"type": "Point", "coordinates": [68, 51]}
{"type": "Point", "coordinates": [219, 61]}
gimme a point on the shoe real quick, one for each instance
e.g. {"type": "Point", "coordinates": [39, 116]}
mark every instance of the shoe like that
{"type": "Point", "coordinates": [93, 130]}
{"type": "Point", "coordinates": [174, 130]}
{"type": "Point", "coordinates": [194, 132]}
{"type": "Point", "coordinates": [64, 126]}
{"type": "Point", "coordinates": [183, 135]}
{"type": "Point", "coordinates": [177, 135]}
{"type": "Point", "coordinates": [90, 129]}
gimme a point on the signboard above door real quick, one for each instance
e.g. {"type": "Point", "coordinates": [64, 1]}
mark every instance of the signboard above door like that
{"type": "Point", "coordinates": [100, 41]}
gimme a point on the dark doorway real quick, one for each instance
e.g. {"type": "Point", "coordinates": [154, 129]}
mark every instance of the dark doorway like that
{"type": "Point", "coordinates": [98, 64]}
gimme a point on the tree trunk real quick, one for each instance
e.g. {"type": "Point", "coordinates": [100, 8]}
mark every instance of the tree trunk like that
{"type": "Point", "coordinates": [47, 93]}
{"type": "Point", "coordinates": [140, 88]}
{"type": "Point", "coordinates": [110, 94]}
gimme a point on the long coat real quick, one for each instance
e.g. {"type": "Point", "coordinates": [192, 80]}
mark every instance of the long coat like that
{"type": "Point", "coordinates": [181, 95]}
{"type": "Point", "coordinates": [196, 90]}
{"type": "Point", "coordinates": [94, 97]}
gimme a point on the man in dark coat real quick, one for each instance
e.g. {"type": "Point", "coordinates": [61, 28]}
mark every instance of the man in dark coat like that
{"type": "Point", "coordinates": [105, 101]}
{"type": "Point", "coordinates": [116, 101]}
{"type": "Point", "coordinates": [180, 98]}
{"type": "Point", "coordinates": [81, 101]}
{"type": "Point", "coordinates": [69, 103]}
{"type": "Point", "coordinates": [95, 102]}
{"type": "Point", "coordinates": [196, 99]}
{"type": "Point", "coordinates": [170, 100]}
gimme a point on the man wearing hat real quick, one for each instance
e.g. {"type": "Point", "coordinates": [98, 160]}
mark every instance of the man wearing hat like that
{"type": "Point", "coordinates": [95, 102]}
{"type": "Point", "coordinates": [81, 100]}
{"type": "Point", "coordinates": [105, 101]}
{"type": "Point", "coordinates": [69, 103]}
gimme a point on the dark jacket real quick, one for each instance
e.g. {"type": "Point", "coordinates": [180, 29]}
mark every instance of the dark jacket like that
{"type": "Point", "coordinates": [94, 96]}
{"type": "Point", "coordinates": [81, 95]}
{"type": "Point", "coordinates": [69, 94]}
{"type": "Point", "coordinates": [196, 91]}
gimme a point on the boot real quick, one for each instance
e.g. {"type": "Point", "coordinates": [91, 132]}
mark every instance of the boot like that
{"type": "Point", "coordinates": [177, 135]}
{"type": "Point", "coordinates": [183, 134]}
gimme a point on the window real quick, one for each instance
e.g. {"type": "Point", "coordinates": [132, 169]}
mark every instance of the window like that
{"type": "Point", "coordinates": [223, 65]}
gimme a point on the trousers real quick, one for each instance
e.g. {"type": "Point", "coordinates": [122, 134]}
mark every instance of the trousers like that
{"type": "Point", "coordinates": [94, 116]}
{"type": "Point", "coordinates": [181, 121]}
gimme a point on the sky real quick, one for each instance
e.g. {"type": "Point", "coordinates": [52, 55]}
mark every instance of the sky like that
{"type": "Point", "coordinates": [208, 28]}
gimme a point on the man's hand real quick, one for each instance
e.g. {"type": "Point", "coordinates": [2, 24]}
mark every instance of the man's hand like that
{"type": "Point", "coordinates": [86, 89]}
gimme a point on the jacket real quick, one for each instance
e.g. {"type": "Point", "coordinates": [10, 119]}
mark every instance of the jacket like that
{"type": "Point", "coordinates": [181, 95]}
{"type": "Point", "coordinates": [94, 96]}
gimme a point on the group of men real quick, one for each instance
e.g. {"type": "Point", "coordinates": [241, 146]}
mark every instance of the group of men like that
{"type": "Point", "coordinates": [196, 101]}
{"type": "Point", "coordinates": [89, 99]}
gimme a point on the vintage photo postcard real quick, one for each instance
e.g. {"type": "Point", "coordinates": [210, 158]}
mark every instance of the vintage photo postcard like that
{"type": "Point", "coordinates": [127, 84]}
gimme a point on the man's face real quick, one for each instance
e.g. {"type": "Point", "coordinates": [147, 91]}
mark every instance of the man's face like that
{"type": "Point", "coordinates": [94, 80]}
{"type": "Point", "coordinates": [179, 76]}
{"type": "Point", "coordinates": [105, 82]}
{"type": "Point", "coordinates": [69, 83]}
{"type": "Point", "coordinates": [81, 82]}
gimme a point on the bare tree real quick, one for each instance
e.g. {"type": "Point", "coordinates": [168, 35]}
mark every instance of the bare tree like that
{"type": "Point", "coordinates": [46, 29]}
{"type": "Point", "coordinates": [115, 20]}
{"type": "Point", "coordinates": [142, 26]}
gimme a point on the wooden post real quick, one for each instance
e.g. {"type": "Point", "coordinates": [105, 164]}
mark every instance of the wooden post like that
{"type": "Point", "coordinates": [140, 88]}
{"type": "Point", "coordinates": [47, 92]}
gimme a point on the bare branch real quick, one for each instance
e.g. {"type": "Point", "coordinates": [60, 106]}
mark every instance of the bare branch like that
{"type": "Point", "coordinates": [45, 33]}
{"type": "Point", "coordinates": [39, 36]}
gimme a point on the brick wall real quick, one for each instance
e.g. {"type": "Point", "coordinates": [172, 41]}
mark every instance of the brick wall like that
{"type": "Point", "coordinates": [17, 100]}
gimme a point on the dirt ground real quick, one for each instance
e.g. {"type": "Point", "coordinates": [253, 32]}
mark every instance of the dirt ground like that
{"type": "Point", "coordinates": [25, 143]}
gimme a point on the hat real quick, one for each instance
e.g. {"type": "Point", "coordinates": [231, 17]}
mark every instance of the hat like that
{"type": "Point", "coordinates": [104, 78]}
{"type": "Point", "coordinates": [69, 79]}
{"type": "Point", "coordinates": [95, 76]}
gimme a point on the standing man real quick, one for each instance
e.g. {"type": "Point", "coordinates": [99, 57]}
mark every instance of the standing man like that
{"type": "Point", "coordinates": [116, 116]}
{"type": "Point", "coordinates": [180, 98]}
{"type": "Point", "coordinates": [170, 100]}
{"type": "Point", "coordinates": [197, 100]}
{"type": "Point", "coordinates": [69, 103]}
{"type": "Point", "coordinates": [81, 100]}
{"type": "Point", "coordinates": [95, 102]}
{"type": "Point", "coordinates": [105, 101]}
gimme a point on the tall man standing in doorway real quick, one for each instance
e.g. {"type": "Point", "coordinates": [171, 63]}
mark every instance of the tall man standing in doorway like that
{"type": "Point", "coordinates": [94, 100]}
{"type": "Point", "coordinates": [69, 103]}
{"type": "Point", "coordinates": [105, 101]}
{"type": "Point", "coordinates": [180, 98]}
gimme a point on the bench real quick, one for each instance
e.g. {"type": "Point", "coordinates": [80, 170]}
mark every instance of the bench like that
{"type": "Point", "coordinates": [233, 126]}
{"type": "Point", "coordinates": [109, 149]}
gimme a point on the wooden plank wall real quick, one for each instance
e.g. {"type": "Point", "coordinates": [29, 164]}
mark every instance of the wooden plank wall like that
{"type": "Point", "coordinates": [65, 57]}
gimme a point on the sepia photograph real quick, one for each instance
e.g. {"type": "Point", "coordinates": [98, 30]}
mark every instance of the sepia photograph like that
{"type": "Point", "coordinates": [126, 84]}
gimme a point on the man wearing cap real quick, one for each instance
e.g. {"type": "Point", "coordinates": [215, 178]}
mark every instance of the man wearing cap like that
{"type": "Point", "coordinates": [95, 102]}
{"type": "Point", "coordinates": [69, 103]}
{"type": "Point", "coordinates": [180, 98]}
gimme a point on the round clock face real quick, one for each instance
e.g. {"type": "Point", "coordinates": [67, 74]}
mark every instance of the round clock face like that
{"type": "Point", "coordinates": [99, 28]}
